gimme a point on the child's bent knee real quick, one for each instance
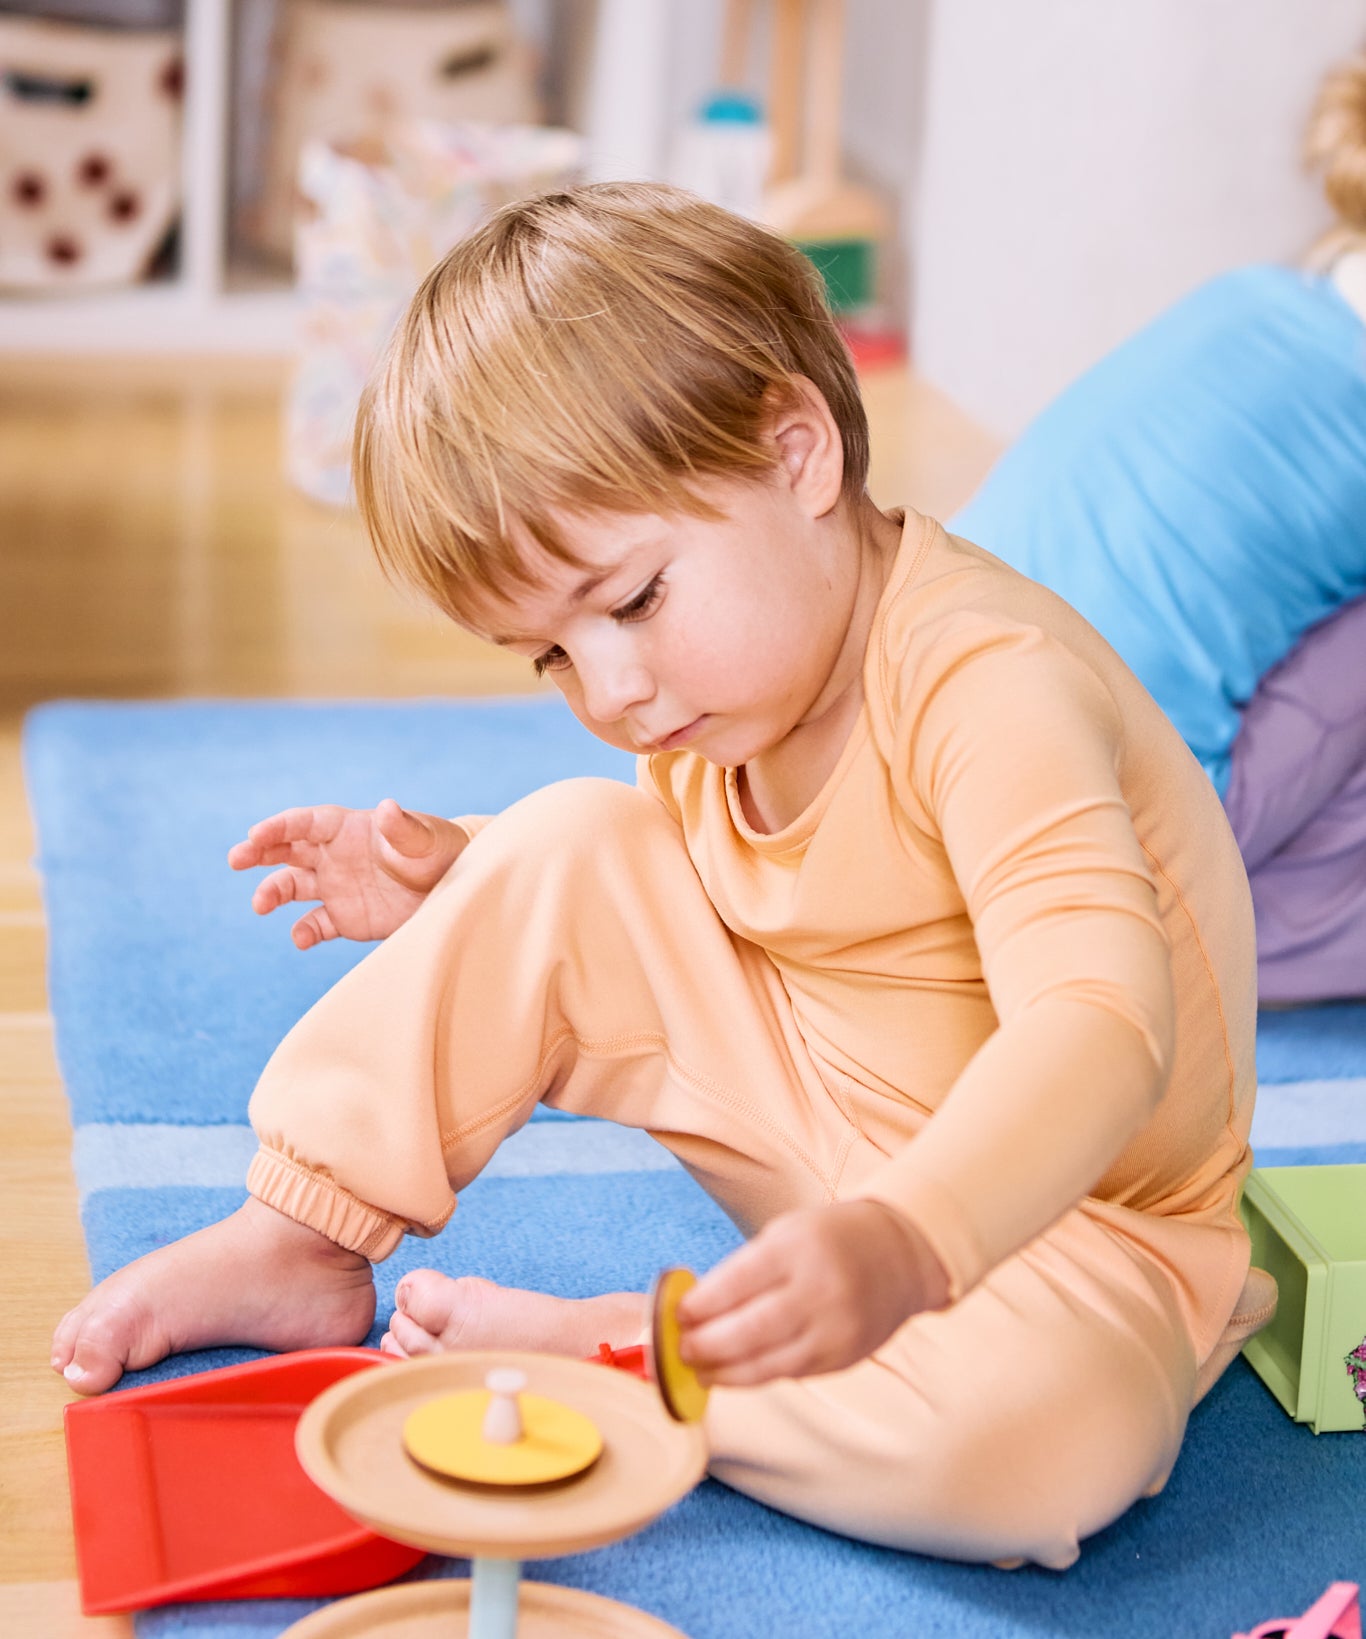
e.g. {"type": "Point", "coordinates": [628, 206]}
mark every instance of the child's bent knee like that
{"type": "Point", "coordinates": [582, 814]}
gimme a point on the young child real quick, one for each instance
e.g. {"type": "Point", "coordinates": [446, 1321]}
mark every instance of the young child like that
{"type": "Point", "coordinates": [923, 943]}
{"type": "Point", "coordinates": [1200, 496]}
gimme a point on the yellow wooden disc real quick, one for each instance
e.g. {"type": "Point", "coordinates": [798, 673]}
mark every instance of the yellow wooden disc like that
{"type": "Point", "coordinates": [447, 1435]}
{"type": "Point", "coordinates": [684, 1396]}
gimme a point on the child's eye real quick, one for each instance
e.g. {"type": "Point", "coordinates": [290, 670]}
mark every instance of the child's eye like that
{"type": "Point", "coordinates": [639, 608]}
{"type": "Point", "coordinates": [642, 604]}
{"type": "Point", "coordinates": [553, 660]}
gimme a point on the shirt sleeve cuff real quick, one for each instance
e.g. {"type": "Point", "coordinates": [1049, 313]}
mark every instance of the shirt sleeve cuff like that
{"type": "Point", "coordinates": [472, 824]}
{"type": "Point", "coordinates": [935, 1214]}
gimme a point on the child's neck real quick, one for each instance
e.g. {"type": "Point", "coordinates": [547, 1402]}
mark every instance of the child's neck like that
{"type": "Point", "coordinates": [777, 786]}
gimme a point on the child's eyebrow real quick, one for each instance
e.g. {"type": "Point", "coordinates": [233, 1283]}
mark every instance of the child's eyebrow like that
{"type": "Point", "coordinates": [589, 584]}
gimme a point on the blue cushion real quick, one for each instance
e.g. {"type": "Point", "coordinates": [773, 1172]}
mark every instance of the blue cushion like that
{"type": "Point", "coordinates": [1200, 494]}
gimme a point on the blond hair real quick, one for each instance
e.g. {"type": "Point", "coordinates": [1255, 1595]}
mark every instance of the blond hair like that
{"type": "Point", "coordinates": [604, 348]}
{"type": "Point", "coordinates": [1335, 143]}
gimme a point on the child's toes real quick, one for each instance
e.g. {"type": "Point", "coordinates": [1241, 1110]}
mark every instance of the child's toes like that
{"type": "Point", "coordinates": [112, 1330]}
{"type": "Point", "coordinates": [443, 1307]}
{"type": "Point", "coordinates": [407, 1339]}
{"type": "Point", "coordinates": [92, 1356]}
{"type": "Point", "coordinates": [64, 1339]}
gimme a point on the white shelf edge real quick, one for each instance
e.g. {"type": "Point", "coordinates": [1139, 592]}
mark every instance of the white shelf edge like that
{"type": "Point", "coordinates": [150, 319]}
{"type": "Point", "coordinates": [207, 48]}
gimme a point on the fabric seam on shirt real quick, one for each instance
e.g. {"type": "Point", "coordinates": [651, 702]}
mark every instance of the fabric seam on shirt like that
{"type": "Point", "coordinates": [1180, 898]}
{"type": "Point", "coordinates": [927, 534]}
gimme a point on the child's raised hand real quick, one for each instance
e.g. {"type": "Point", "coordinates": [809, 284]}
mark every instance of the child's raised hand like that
{"type": "Point", "coordinates": [370, 868]}
{"type": "Point", "coordinates": [815, 1290]}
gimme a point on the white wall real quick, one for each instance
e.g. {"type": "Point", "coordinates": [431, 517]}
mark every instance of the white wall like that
{"type": "Point", "coordinates": [1086, 162]}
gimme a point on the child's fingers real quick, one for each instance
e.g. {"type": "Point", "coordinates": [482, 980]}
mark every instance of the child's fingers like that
{"type": "Point", "coordinates": [242, 856]}
{"type": "Point", "coordinates": [792, 1359]}
{"type": "Point", "coordinates": [314, 929]}
{"type": "Point", "coordinates": [735, 1280]}
{"type": "Point", "coordinates": [318, 824]}
{"type": "Point", "coordinates": [283, 888]}
{"type": "Point", "coordinates": [748, 1332]}
{"type": "Point", "coordinates": [275, 840]}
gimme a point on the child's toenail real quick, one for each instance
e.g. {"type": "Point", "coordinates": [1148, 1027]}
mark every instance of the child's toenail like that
{"type": "Point", "coordinates": [74, 1373]}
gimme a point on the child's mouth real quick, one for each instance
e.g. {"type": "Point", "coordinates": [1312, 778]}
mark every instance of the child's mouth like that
{"type": "Point", "coordinates": [680, 736]}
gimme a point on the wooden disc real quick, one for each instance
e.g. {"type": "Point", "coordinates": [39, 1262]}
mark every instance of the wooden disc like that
{"type": "Point", "coordinates": [350, 1442]}
{"type": "Point", "coordinates": [447, 1435]}
{"type": "Point", "coordinates": [684, 1396]}
{"type": "Point", "coordinates": [441, 1610]}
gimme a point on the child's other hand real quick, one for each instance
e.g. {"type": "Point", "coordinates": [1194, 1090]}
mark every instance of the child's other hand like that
{"type": "Point", "coordinates": [814, 1291]}
{"type": "Point", "coordinates": [370, 868]}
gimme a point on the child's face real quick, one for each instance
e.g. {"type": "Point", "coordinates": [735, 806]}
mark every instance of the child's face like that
{"type": "Point", "coordinates": [720, 635]}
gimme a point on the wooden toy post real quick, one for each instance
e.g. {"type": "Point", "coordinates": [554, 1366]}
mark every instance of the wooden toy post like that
{"type": "Point", "coordinates": [808, 197]}
{"type": "Point", "coordinates": [494, 1585]}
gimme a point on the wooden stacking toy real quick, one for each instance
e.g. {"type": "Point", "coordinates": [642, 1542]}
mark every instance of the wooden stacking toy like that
{"type": "Point", "coordinates": [505, 1457]}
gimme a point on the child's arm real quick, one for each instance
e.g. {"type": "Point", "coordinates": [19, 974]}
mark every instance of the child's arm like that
{"type": "Point", "coordinates": [1013, 755]}
{"type": "Point", "coordinates": [370, 868]}
{"type": "Point", "coordinates": [1011, 758]}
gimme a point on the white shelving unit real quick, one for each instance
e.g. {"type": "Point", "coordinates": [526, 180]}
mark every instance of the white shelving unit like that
{"type": "Point", "coordinates": [203, 308]}
{"type": "Point", "coordinates": [196, 311]}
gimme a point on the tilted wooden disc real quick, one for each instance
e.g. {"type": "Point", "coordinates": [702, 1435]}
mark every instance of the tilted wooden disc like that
{"type": "Point", "coordinates": [684, 1396]}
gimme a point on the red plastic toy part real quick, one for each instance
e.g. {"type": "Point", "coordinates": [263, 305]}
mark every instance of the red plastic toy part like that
{"type": "Point", "coordinates": [191, 1490]}
{"type": "Point", "coordinates": [632, 1359]}
{"type": "Point", "coordinates": [1337, 1615]}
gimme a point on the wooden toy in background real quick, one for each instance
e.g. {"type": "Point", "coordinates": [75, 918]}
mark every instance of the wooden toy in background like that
{"type": "Point", "coordinates": [348, 71]}
{"type": "Point", "coordinates": [806, 195]}
{"type": "Point", "coordinates": [724, 152]}
{"type": "Point", "coordinates": [90, 122]}
{"type": "Point", "coordinates": [502, 1458]}
{"type": "Point", "coordinates": [838, 223]}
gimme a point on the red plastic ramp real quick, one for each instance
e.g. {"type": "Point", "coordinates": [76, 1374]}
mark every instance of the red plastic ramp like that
{"type": "Point", "coordinates": [191, 1490]}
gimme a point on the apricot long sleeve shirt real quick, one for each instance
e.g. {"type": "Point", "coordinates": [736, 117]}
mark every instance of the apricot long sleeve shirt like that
{"type": "Point", "coordinates": [1013, 925]}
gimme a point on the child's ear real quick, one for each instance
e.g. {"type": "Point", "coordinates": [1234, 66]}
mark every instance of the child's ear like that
{"type": "Point", "coordinates": [810, 449]}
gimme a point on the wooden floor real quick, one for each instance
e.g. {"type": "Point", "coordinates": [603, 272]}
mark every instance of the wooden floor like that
{"type": "Point", "coordinates": [149, 547]}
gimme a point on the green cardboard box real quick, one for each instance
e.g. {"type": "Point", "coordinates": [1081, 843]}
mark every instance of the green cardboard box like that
{"type": "Point", "coordinates": [1308, 1228]}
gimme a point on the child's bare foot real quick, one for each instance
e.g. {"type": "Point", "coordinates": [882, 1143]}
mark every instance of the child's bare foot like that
{"type": "Point", "coordinates": [256, 1278]}
{"type": "Point", "coordinates": [436, 1314]}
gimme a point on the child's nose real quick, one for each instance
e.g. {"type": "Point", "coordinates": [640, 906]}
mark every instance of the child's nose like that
{"type": "Point", "coordinates": [611, 687]}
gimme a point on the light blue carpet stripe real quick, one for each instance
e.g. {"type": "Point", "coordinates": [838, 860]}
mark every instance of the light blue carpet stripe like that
{"type": "Point", "coordinates": [1295, 1115]}
{"type": "Point", "coordinates": [1303, 1114]}
{"type": "Point", "coordinates": [150, 1155]}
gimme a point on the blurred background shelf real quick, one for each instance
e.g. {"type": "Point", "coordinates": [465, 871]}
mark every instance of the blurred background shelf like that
{"type": "Point", "coordinates": [199, 304]}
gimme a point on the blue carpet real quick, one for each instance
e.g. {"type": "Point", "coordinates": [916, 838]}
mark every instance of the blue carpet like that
{"type": "Point", "coordinates": [169, 995]}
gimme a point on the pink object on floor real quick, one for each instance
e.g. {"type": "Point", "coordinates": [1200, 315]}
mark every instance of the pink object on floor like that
{"type": "Point", "coordinates": [1337, 1615]}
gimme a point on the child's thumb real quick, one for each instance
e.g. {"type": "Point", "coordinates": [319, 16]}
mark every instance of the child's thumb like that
{"type": "Point", "coordinates": [409, 833]}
